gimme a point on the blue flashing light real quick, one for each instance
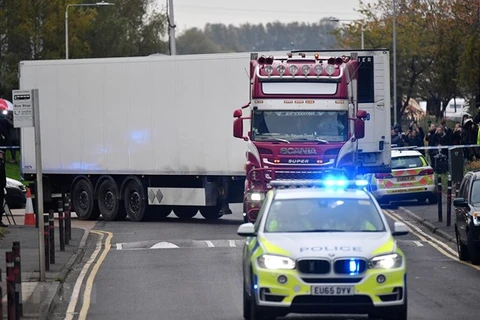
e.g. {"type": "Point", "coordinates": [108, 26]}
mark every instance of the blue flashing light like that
{"type": "Point", "coordinates": [361, 183]}
{"type": "Point", "coordinates": [354, 266]}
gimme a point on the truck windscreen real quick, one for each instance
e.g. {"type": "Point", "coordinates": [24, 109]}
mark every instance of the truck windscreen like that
{"type": "Point", "coordinates": [300, 125]}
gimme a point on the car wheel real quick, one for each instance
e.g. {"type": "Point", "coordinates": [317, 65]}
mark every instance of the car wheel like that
{"type": "Point", "coordinates": [473, 250]}
{"type": "Point", "coordinates": [462, 249]}
{"type": "Point", "coordinates": [432, 199]}
{"type": "Point", "coordinates": [246, 304]}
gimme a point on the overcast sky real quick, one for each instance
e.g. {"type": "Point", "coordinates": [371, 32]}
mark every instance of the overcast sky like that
{"type": "Point", "coordinates": [196, 13]}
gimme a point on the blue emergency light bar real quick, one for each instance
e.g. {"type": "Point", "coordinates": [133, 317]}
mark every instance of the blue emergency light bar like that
{"type": "Point", "coordinates": [333, 183]}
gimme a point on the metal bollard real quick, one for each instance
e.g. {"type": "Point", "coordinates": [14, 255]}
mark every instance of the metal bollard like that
{"type": "Point", "coordinates": [68, 221]}
{"type": "Point", "coordinates": [51, 229]}
{"type": "Point", "coordinates": [457, 189]}
{"type": "Point", "coordinates": [439, 198]}
{"type": "Point", "coordinates": [11, 303]}
{"type": "Point", "coordinates": [449, 201]}
{"type": "Point", "coordinates": [1, 297]}
{"type": "Point", "coordinates": [46, 237]}
{"type": "Point", "coordinates": [18, 277]}
{"type": "Point", "coordinates": [61, 225]}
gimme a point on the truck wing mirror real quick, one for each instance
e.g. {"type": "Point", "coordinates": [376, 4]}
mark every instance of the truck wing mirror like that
{"type": "Point", "coordinates": [359, 128]}
{"type": "Point", "coordinates": [362, 114]}
{"type": "Point", "coordinates": [237, 113]}
{"type": "Point", "coordinates": [238, 128]}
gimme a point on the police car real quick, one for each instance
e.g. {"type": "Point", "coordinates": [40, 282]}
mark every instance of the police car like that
{"type": "Point", "coordinates": [326, 249]}
{"type": "Point", "coordinates": [411, 178]}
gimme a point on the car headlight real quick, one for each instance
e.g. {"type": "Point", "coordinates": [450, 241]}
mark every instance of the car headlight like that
{"type": "Point", "coordinates": [389, 261]}
{"type": "Point", "coordinates": [268, 261]}
{"type": "Point", "coordinates": [255, 196]}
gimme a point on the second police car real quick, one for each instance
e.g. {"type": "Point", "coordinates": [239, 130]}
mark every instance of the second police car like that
{"type": "Point", "coordinates": [327, 250]}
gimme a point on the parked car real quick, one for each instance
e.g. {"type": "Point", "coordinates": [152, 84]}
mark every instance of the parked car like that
{"type": "Point", "coordinates": [467, 218]}
{"type": "Point", "coordinates": [16, 194]}
{"type": "Point", "coordinates": [411, 178]}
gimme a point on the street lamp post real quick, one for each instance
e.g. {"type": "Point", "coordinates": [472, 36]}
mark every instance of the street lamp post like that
{"type": "Point", "coordinates": [394, 62]}
{"type": "Point", "coordinates": [98, 4]}
{"type": "Point", "coordinates": [362, 30]}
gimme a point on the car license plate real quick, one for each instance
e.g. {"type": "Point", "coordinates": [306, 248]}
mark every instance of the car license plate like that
{"type": "Point", "coordinates": [410, 178]}
{"type": "Point", "coordinates": [332, 290]}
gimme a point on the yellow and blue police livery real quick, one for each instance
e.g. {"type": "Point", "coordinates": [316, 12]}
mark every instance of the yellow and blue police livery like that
{"type": "Point", "coordinates": [326, 249]}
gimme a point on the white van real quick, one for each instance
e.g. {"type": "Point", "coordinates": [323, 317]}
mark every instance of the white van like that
{"type": "Point", "coordinates": [456, 108]}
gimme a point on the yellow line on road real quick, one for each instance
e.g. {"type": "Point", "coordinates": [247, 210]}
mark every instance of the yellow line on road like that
{"type": "Point", "coordinates": [89, 285]}
{"type": "Point", "coordinates": [430, 240]}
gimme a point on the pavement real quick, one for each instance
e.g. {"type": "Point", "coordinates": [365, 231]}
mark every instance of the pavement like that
{"type": "Point", "coordinates": [428, 216]}
{"type": "Point", "coordinates": [38, 297]}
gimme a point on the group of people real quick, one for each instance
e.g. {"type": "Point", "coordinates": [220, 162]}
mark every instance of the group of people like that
{"type": "Point", "coordinates": [465, 132]}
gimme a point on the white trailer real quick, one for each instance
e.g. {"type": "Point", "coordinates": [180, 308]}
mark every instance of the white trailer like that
{"type": "Point", "coordinates": [139, 136]}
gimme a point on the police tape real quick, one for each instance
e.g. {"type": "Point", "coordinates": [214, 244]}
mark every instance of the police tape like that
{"type": "Point", "coordinates": [460, 146]}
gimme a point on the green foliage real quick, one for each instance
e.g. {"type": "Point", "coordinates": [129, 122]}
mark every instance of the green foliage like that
{"type": "Point", "coordinates": [35, 29]}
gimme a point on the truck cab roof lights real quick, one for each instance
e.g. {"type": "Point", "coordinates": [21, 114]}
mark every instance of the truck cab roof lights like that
{"type": "Point", "coordinates": [293, 69]}
{"type": "Point", "coordinates": [330, 69]}
{"type": "Point", "coordinates": [281, 70]}
{"type": "Point", "coordinates": [269, 60]}
{"type": "Point", "coordinates": [318, 69]}
{"type": "Point", "coordinates": [262, 59]}
{"type": "Point", "coordinates": [289, 54]}
{"type": "Point", "coordinates": [306, 70]}
{"type": "Point", "coordinates": [268, 70]}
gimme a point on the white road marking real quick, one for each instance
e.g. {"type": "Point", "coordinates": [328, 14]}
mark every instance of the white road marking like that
{"type": "Point", "coordinates": [418, 243]}
{"type": "Point", "coordinates": [163, 245]}
{"type": "Point", "coordinates": [232, 243]}
{"type": "Point", "coordinates": [440, 246]}
{"type": "Point", "coordinates": [209, 243]}
{"type": "Point", "coordinates": [78, 284]}
{"type": "Point", "coordinates": [119, 246]}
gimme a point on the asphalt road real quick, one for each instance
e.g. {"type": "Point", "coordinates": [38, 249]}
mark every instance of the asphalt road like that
{"type": "Point", "coordinates": [192, 270]}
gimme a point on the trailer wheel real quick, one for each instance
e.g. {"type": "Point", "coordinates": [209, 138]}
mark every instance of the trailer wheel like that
{"type": "Point", "coordinates": [134, 200]}
{"type": "Point", "coordinates": [83, 200]}
{"type": "Point", "coordinates": [109, 203]}
{"type": "Point", "coordinates": [185, 212]}
{"type": "Point", "coordinates": [211, 212]}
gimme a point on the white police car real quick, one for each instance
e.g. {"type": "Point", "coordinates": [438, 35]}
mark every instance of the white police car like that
{"type": "Point", "coordinates": [326, 249]}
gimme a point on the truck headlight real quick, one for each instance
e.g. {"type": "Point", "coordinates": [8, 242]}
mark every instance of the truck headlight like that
{"type": "Point", "coordinates": [389, 261]}
{"type": "Point", "coordinates": [268, 261]}
{"type": "Point", "coordinates": [255, 196]}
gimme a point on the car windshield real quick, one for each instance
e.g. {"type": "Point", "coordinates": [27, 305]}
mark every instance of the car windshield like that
{"type": "Point", "coordinates": [323, 215]}
{"type": "Point", "coordinates": [407, 162]}
{"type": "Point", "coordinates": [475, 197]}
{"type": "Point", "coordinates": [300, 125]}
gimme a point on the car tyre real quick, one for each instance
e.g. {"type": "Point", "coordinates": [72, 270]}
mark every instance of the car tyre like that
{"type": "Point", "coordinates": [462, 249]}
{"type": "Point", "coordinates": [473, 250]}
{"type": "Point", "coordinates": [246, 304]}
{"type": "Point", "coordinates": [432, 199]}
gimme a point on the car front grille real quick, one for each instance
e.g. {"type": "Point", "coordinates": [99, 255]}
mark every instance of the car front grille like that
{"type": "Point", "coordinates": [340, 266]}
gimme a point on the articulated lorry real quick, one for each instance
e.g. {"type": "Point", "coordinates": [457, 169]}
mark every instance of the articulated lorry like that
{"type": "Point", "coordinates": [310, 112]}
{"type": "Point", "coordinates": [138, 136]}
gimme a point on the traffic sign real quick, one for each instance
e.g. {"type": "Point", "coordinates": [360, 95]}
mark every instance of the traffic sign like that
{"type": "Point", "coordinates": [22, 108]}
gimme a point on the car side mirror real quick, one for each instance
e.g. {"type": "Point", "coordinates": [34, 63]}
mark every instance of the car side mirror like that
{"type": "Point", "coordinates": [399, 229]}
{"type": "Point", "coordinates": [460, 202]}
{"type": "Point", "coordinates": [246, 230]}
{"type": "Point", "coordinates": [359, 128]}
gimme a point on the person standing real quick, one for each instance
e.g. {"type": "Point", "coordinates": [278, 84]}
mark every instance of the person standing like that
{"type": "Point", "coordinates": [3, 185]}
